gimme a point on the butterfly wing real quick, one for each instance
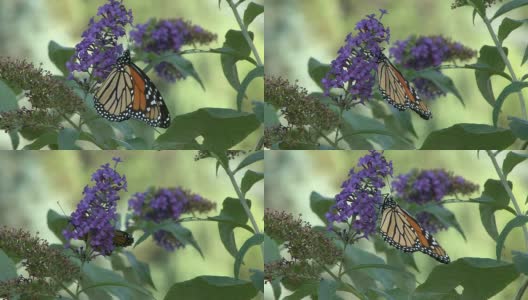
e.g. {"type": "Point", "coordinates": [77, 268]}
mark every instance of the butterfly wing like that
{"type": "Point", "coordinates": [122, 239]}
{"type": "Point", "coordinates": [397, 91]}
{"type": "Point", "coordinates": [114, 97]}
{"type": "Point", "coordinates": [402, 231]}
{"type": "Point", "coordinates": [148, 104]}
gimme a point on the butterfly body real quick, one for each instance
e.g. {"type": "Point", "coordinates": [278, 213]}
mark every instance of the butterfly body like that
{"type": "Point", "coordinates": [402, 231]}
{"type": "Point", "coordinates": [122, 238]}
{"type": "Point", "coordinates": [397, 91]}
{"type": "Point", "coordinates": [127, 92]}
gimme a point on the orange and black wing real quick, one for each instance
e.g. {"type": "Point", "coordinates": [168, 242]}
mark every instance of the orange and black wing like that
{"type": "Point", "coordinates": [397, 91]}
{"type": "Point", "coordinates": [127, 92]}
{"type": "Point", "coordinates": [148, 104]}
{"type": "Point", "coordinates": [403, 232]}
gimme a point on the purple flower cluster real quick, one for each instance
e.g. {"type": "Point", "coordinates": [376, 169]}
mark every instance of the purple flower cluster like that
{"type": "Point", "coordinates": [354, 68]}
{"type": "Point", "coordinates": [166, 204]}
{"type": "Point", "coordinates": [98, 49]}
{"type": "Point", "coordinates": [168, 35]}
{"type": "Point", "coordinates": [94, 219]}
{"type": "Point", "coordinates": [422, 52]}
{"type": "Point", "coordinates": [423, 186]}
{"type": "Point", "coordinates": [361, 194]}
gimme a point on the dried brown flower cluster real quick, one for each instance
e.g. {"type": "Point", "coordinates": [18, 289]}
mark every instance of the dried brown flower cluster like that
{"type": "Point", "coordinates": [309, 249]}
{"type": "Point", "coordinates": [300, 110]}
{"type": "Point", "coordinates": [459, 3]}
{"type": "Point", "coordinates": [48, 268]}
{"type": "Point", "coordinates": [50, 98]}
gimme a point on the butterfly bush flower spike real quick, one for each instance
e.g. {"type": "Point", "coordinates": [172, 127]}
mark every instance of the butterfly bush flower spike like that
{"type": "Point", "coordinates": [168, 35]}
{"type": "Point", "coordinates": [421, 52]}
{"type": "Point", "coordinates": [425, 186]}
{"type": "Point", "coordinates": [354, 68]}
{"type": "Point", "coordinates": [166, 204]}
{"type": "Point", "coordinates": [95, 217]}
{"type": "Point", "coordinates": [361, 194]}
{"type": "Point", "coordinates": [99, 48]}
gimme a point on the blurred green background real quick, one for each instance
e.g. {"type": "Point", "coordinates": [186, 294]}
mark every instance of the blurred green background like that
{"type": "Point", "coordinates": [33, 182]}
{"type": "Point", "coordinates": [297, 30]}
{"type": "Point", "coordinates": [27, 26]}
{"type": "Point", "coordinates": [292, 175]}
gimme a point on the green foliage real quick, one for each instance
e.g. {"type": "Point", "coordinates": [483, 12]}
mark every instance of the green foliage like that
{"type": "Point", "coordinates": [231, 211]}
{"type": "Point", "coordinates": [212, 287]}
{"type": "Point", "coordinates": [481, 278]}
{"type": "Point", "coordinates": [220, 129]}
{"type": "Point", "coordinates": [469, 136]}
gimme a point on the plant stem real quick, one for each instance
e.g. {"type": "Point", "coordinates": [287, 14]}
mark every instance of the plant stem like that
{"type": "Point", "coordinates": [65, 288]}
{"type": "Point", "coordinates": [329, 141]}
{"type": "Point", "coordinates": [509, 191]}
{"type": "Point", "coordinates": [347, 287]}
{"type": "Point", "coordinates": [245, 32]}
{"type": "Point", "coordinates": [338, 125]}
{"type": "Point", "coordinates": [506, 62]}
{"type": "Point", "coordinates": [241, 197]}
{"type": "Point", "coordinates": [521, 291]}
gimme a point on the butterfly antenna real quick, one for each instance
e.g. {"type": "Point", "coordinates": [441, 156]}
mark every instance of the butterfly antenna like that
{"type": "Point", "coordinates": [61, 209]}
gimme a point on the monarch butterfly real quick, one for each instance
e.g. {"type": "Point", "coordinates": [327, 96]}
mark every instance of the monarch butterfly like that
{"type": "Point", "coordinates": [403, 232]}
{"type": "Point", "coordinates": [127, 92]}
{"type": "Point", "coordinates": [396, 90]}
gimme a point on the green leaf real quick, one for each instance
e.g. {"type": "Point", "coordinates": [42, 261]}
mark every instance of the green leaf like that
{"type": "Point", "coordinates": [250, 159]}
{"type": "Point", "coordinates": [8, 100]}
{"type": "Point", "coordinates": [212, 287]}
{"type": "Point", "coordinates": [60, 55]}
{"type": "Point", "coordinates": [480, 278]}
{"type": "Point", "coordinates": [446, 217]}
{"type": "Point", "coordinates": [15, 139]}
{"type": "Point", "coordinates": [512, 159]}
{"type": "Point", "coordinates": [508, 6]}
{"type": "Point", "coordinates": [356, 262]}
{"type": "Point", "coordinates": [270, 116]}
{"type": "Point", "coordinates": [327, 290]}
{"type": "Point", "coordinates": [519, 127]}
{"type": "Point", "coordinates": [8, 268]}
{"type": "Point", "coordinates": [141, 269]}
{"type": "Point", "coordinates": [184, 66]}
{"type": "Point", "coordinates": [220, 129]}
{"type": "Point", "coordinates": [489, 56]}
{"type": "Point", "coordinates": [235, 41]}
{"type": "Point", "coordinates": [231, 210]}
{"type": "Point", "coordinates": [100, 279]}
{"type": "Point", "coordinates": [525, 56]}
{"type": "Point", "coordinates": [271, 250]}
{"type": "Point", "coordinates": [511, 88]}
{"type": "Point", "coordinates": [180, 233]}
{"type": "Point", "coordinates": [57, 223]}
{"type": "Point", "coordinates": [320, 205]}
{"type": "Point", "coordinates": [520, 260]}
{"type": "Point", "coordinates": [469, 137]}
{"type": "Point", "coordinates": [307, 289]}
{"type": "Point", "coordinates": [444, 83]}
{"type": "Point", "coordinates": [493, 198]}
{"type": "Point", "coordinates": [250, 178]}
{"type": "Point", "coordinates": [46, 139]}
{"type": "Point", "coordinates": [317, 71]}
{"type": "Point", "coordinates": [506, 27]}
{"type": "Point", "coordinates": [518, 221]}
{"type": "Point", "coordinates": [67, 138]}
{"type": "Point", "coordinates": [355, 125]}
{"type": "Point", "coordinates": [241, 91]}
{"type": "Point", "coordinates": [255, 240]}
{"type": "Point", "coordinates": [484, 67]}
{"type": "Point", "coordinates": [479, 7]}
{"type": "Point", "coordinates": [253, 10]}
{"type": "Point", "coordinates": [257, 278]}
